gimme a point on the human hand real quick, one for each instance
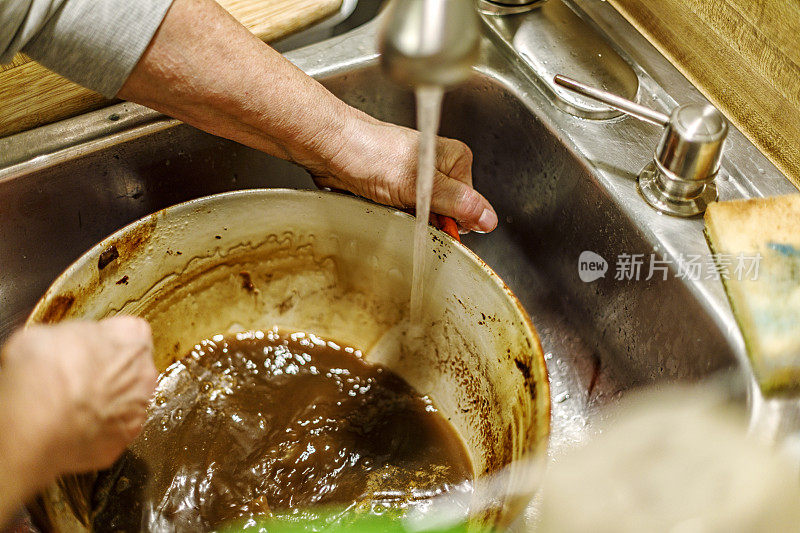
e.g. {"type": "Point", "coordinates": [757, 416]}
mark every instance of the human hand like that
{"type": "Point", "coordinates": [378, 160]}
{"type": "Point", "coordinates": [76, 393]}
{"type": "Point", "coordinates": [279, 109]}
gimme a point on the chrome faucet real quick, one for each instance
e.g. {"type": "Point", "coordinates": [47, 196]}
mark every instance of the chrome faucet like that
{"type": "Point", "coordinates": [435, 43]}
{"type": "Point", "coordinates": [429, 42]}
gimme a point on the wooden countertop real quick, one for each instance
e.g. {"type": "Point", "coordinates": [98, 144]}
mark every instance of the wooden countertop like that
{"type": "Point", "coordinates": [31, 95]}
{"type": "Point", "coordinates": [745, 58]}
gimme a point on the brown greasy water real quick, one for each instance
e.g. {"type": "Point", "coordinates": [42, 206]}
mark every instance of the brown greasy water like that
{"type": "Point", "coordinates": [261, 422]}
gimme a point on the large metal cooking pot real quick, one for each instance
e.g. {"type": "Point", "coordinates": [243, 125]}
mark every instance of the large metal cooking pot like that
{"type": "Point", "coordinates": [334, 265]}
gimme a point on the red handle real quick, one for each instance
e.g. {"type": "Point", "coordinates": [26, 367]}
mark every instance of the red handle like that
{"type": "Point", "coordinates": [449, 226]}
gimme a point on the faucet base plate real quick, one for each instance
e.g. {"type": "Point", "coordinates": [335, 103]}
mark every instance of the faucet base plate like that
{"type": "Point", "coordinates": [650, 180]}
{"type": "Point", "coordinates": [555, 39]}
{"type": "Point", "coordinates": [490, 7]}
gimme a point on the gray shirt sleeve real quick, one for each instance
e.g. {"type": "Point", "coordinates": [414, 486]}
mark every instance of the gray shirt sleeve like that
{"type": "Point", "coordinates": [95, 43]}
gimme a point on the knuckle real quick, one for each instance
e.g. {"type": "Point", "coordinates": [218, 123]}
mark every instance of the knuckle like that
{"type": "Point", "coordinates": [133, 428]}
{"type": "Point", "coordinates": [151, 378]}
{"type": "Point", "coordinates": [144, 327]}
{"type": "Point", "coordinates": [129, 328]}
{"type": "Point", "coordinates": [462, 147]}
{"type": "Point", "coordinates": [467, 153]}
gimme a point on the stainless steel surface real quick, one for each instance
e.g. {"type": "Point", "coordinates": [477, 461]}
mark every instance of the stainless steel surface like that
{"type": "Point", "coordinates": [513, 2]}
{"type": "Point", "coordinates": [691, 146]}
{"type": "Point", "coordinates": [558, 39]}
{"type": "Point", "coordinates": [429, 42]}
{"type": "Point", "coordinates": [674, 196]}
{"type": "Point", "coordinates": [612, 100]}
{"type": "Point", "coordinates": [91, 127]}
{"type": "Point", "coordinates": [511, 7]}
{"type": "Point", "coordinates": [680, 179]}
{"type": "Point", "coordinates": [561, 185]}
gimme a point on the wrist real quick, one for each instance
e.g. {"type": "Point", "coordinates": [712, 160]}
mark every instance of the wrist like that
{"type": "Point", "coordinates": [27, 444]}
{"type": "Point", "coordinates": [324, 149]}
{"type": "Point", "coordinates": [355, 143]}
{"type": "Point", "coordinates": [17, 483]}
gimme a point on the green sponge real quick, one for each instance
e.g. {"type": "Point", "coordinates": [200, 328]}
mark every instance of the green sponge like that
{"type": "Point", "coordinates": [338, 521]}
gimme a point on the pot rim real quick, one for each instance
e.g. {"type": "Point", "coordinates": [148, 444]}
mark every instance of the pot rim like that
{"type": "Point", "coordinates": [38, 312]}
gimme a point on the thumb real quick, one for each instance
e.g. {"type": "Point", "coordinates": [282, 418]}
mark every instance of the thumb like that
{"type": "Point", "coordinates": [467, 206]}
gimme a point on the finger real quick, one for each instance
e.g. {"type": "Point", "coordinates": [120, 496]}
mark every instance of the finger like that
{"type": "Point", "coordinates": [454, 158]}
{"type": "Point", "coordinates": [149, 377]}
{"type": "Point", "coordinates": [131, 428]}
{"type": "Point", "coordinates": [467, 206]}
{"type": "Point", "coordinates": [136, 374]}
{"type": "Point", "coordinates": [128, 329]}
{"type": "Point", "coordinates": [128, 339]}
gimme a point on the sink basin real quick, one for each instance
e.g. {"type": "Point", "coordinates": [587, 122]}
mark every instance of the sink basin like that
{"type": "Point", "coordinates": [601, 337]}
{"type": "Point", "coordinates": [562, 185]}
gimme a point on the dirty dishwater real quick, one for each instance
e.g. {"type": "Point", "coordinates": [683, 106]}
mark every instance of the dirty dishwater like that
{"type": "Point", "coordinates": [256, 423]}
{"type": "Point", "coordinates": [429, 104]}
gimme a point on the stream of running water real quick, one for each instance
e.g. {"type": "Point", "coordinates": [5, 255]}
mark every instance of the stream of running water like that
{"type": "Point", "coordinates": [429, 104]}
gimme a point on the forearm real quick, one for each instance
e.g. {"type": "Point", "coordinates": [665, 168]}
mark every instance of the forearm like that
{"type": "Point", "coordinates": [206, 69]}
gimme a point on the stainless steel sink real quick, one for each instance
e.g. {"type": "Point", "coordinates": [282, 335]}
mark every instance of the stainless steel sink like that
{"type": "Point", "coordinates": [561, 185]}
